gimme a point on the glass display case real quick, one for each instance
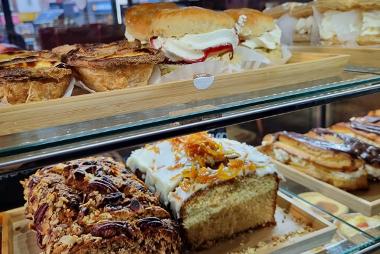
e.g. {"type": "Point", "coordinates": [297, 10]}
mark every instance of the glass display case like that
{"type": "Point", "coordinates": [28, 144]}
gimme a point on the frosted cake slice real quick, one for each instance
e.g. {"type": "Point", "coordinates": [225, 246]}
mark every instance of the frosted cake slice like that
{"type": "Point", "coordinates": [214, 187]}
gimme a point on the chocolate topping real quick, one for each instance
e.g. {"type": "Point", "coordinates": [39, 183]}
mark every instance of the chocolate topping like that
{"type": "Point", "coordinates": [367, 127]}
{"type": "Point", "coordinates": [367, 119]}
{"type": "Point", "coordinates": [111, 229]}
{"type": "Point", "coordinates": [370, 154]}
{"type": "Point", "coordinates": [321, 144]}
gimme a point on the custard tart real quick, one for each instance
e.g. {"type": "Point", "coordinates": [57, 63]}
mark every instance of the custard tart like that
{"type": "Point", "coordinates": [104, 67]}
{"type": "Point", "coordinates": [28, 76]}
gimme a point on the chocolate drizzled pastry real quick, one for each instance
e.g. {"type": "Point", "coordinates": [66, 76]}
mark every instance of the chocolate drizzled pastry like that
{"type": "Point", "coordinates": [95, 205]}
{"type": "Point", "coordinates": [366, 128]}
{"type": "Point", "coordinates": [369, 124]}
{"type": "Point", "coordinates": [337, 162]}
{"type": "Point", "coordinates": [370, 154]}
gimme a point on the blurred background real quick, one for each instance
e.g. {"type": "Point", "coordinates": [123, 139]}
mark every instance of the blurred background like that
{"type": "Point", "coordinates": [44, 24]}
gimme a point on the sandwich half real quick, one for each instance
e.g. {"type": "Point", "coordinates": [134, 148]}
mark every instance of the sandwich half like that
{"type": "Point", "coordinates": [214, 187]}
{"type": "Point", "coordinates": [349, 21]}
{"type": "Point", "coordinates": [259, 32]}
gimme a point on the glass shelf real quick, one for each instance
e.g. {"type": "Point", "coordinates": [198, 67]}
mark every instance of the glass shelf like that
{"type": "Point", "coordinates": [46, 146]}
{"type": "Point", "coordinates": [361, 242]}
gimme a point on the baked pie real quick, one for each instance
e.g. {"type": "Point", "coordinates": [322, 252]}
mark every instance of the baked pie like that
{"type": "Point", "coordinates": [28, 76]}
{"type": "Point", "coordinates": [368, 153]}
{"type": "Point", "coordinates": [331, 162]}
{"type": "Point", "coordinates": [104, 67]}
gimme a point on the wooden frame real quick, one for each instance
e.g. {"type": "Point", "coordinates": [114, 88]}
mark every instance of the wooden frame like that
{"type": "Point", "coordinates": [324, 230]}
{"type": "Point", "coordinates": [365, 202]}
{"type": "Point", "coordinates": [360, 56]}
{"type": "Point", "coordinates": [302, 67]}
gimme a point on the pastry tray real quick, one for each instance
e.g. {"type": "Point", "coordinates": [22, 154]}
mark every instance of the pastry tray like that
{"type": "Point", "coordinates": [362, 56]}
{"type": "Point", "coordinates": [366, 202]}
{"type": "Point", "coordinates": [298, 229]}
{"type": "Point", "coordinates": [302, 67]}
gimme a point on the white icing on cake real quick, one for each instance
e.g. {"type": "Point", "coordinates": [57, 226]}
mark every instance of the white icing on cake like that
{"type": "Point", "coordinates": [170, 170]}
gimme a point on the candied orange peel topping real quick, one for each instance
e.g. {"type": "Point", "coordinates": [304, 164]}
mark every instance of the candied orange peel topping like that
{"type": "Point", "coordinates": [210, 163]}
{"type": "Point", "coordinates": [200, 148]}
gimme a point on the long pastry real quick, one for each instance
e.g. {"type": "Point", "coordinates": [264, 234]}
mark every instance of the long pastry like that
{"type": "Point", "coordinates": [324, 160]}
{"type": "Point", "coordinates": [368, 153]}
{"type": "Point", "coordinates": [365, 128]}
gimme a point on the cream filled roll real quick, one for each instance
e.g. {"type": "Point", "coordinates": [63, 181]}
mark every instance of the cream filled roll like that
{"type": "Point", "coordinates": [258, 32]}
{"type": "Point", "coordinates": [215, 187]}
{"type": "Point", "coordinates": [138, 20]}
{"type": "Point", "coordinates": [185, 35]}
{"type": "Point", "coordinates": [192, 34]}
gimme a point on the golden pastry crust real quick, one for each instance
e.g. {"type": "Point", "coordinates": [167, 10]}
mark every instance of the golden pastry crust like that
{"type": "Point", "coordinates": [104, 67]}
{"type": "Point", "coordinates": [257, 23]}
{"type": "Point", "coordinates": [107, 79]}
{"type": "Point", "coordinates": [275, 55]}
{"type": "Point", "coordinates": [303, 11]}
{"type": "Point", "coordinates": [95, 205]}
{"type": "Point", "coordinates": [33, 76]}
{"type": "Point", "coordinates": [252, 204]}
{"type": "Point", "coordinates": [189, 20]}
{"type": "Point", "coordinates": [138, 19]}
